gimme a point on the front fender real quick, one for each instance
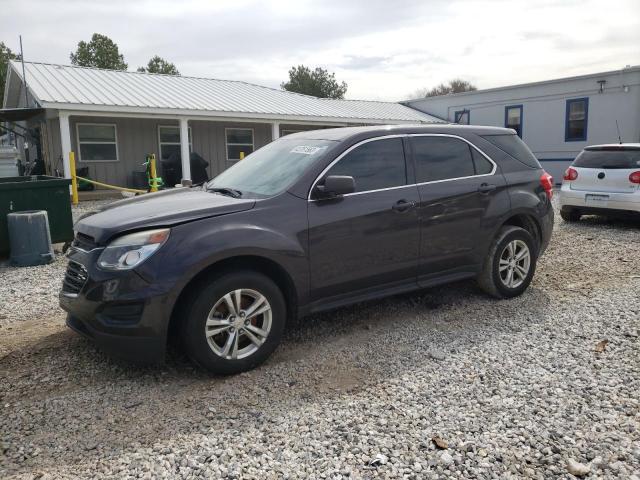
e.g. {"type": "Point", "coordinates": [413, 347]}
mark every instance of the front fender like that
{"type": "Point", "coordinates": [196, 246]}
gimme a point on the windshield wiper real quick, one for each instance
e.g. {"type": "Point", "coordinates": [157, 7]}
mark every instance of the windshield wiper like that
{"type": "Point", "coordinates": [231, 192]}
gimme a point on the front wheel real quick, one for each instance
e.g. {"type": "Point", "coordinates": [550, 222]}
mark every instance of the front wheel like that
{"type": "Point", "coordinates": [233, 322]}
{"type": "Point", "coordinates": [510, 264]}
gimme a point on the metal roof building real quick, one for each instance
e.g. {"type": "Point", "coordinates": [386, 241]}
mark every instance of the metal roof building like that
{"type": "Point", "coordinates": [113, 118]}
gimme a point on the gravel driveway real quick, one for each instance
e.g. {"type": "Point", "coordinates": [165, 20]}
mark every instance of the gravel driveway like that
{"type": "Point", "coordinates": [512, 389]}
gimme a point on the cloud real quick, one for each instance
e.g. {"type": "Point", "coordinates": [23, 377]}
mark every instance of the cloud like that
{"type": "Point", "coordinates": [357, 62]}
{"type": "Point", "coordinates": [382, 49]}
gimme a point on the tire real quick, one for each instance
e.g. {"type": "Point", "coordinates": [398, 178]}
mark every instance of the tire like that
{"type": "Point", "coordinates": [492, 279]}
{"type": "Point", "coordinates": [570, 215]}
{"type": "Point", "coordinates": [208, 310]}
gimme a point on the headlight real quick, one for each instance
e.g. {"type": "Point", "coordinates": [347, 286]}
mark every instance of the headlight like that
{"type": "Point", "coordinates": [129, 251]}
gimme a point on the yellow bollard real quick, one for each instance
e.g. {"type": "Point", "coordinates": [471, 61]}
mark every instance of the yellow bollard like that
{"type": "Point", "coordinates": [154, 182]}
{"type": "Point", "coordinates": [241, 155]}
{"type": "Point", "coordinates": [74, 180]}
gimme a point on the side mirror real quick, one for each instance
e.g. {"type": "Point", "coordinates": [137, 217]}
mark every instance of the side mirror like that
{"type": "Point", "coordinates": [336, 185]}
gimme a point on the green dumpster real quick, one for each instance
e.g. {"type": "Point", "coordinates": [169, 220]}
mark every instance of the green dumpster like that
{"type": "Point", "coordinates": [38, 192]}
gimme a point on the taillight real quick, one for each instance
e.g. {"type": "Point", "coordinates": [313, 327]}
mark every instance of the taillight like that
{"type": "Point", "coordinates": [546, 181]}
{"type": "Point", "coordinates": [570, 174]}
{"type": "Point", "coordinates": [635, 177]}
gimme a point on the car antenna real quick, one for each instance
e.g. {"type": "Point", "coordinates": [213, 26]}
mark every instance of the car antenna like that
{"type": "Point", "coordinates": [618, 129]}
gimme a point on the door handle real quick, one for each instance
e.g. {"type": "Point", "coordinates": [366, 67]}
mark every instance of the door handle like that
{"type": "Point", "coordinates": [403, 205]}
{"type": "Point", "coordinates": [486, 188]}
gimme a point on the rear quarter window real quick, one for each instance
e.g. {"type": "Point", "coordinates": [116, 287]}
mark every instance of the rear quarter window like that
{"type": "Point", "coordinates": [514, 147]}
{"type": "Point", "coordinates": [612, 159]}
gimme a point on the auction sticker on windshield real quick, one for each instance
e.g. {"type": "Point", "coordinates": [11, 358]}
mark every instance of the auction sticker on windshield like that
{"type": "Point", "coordinates": [307, 150]}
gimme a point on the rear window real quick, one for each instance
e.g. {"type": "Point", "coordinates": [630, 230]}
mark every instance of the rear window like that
{"type": "Point", "coordinates": [608, 159]}
{"type": "Point", "coordinates": [513, 146]}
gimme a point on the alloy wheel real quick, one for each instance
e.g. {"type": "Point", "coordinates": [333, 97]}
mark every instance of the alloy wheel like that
{"type": "Point", "coordinates": [238, 324]}
{"type": "Point", "coordinates": [515, 262]}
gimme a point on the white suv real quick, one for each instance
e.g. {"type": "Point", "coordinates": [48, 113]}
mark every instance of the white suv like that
{"type": "Point", "coordinates": [602, 180]}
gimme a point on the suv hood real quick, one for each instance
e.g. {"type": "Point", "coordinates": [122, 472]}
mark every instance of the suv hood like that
{"type": "Point", "coordinates": [162, 209]}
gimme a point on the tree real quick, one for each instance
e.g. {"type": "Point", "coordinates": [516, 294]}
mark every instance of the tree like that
{"type": "Point", "coordinates": [159, 65]}
{"type": "Point", "coordinates": [319, 83]}
{"type": "Point", "coordinates": [5, 55]}
{"type": "Point", "coordinates": [456, 85]}
{"type": "Point", "coordinates": [100, 52]}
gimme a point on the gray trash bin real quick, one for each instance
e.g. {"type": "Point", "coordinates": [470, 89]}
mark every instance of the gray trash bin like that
{"type": "Point", "coordinates": [29, 238]}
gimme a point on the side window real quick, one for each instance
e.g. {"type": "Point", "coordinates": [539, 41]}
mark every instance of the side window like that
{"type": "Point", "coordinates": [576, 118]}
{"type": "Point", "coordinates": [515, 147]}
{"type": "Point", "coordinates": [170, 141]}
{"type": "Point", "coordinates": [483, 166]}
{"type": "Point", "coordinates": [513, 118]}
{"type": "Point", "coordinates": [374, 165]}
{"type": "Point", "coordinates": [462, 117]}
{"type": "Point", "coordinates": [441, 158]}
{"type": "Point", "coordinates": [239, 143]}
{"type": "Point", "coordinates": [97, 142]}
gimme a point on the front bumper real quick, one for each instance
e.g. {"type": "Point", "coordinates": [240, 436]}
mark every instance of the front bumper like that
{"type": "Point", "coordinates": [137, 349]}
{"type": "Point", "coordinates": [577, 199]}
{"type": "Point", "coordinates": [122, 312]}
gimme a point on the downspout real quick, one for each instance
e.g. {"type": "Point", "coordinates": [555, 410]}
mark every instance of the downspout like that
{"type": "Point", "coordinates": [24, 76]}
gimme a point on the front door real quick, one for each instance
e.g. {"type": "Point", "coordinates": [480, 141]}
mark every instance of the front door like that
{"type": "Point", "coordinates": [457, 184]}
{"type": "Point", "coordinates": [367, 240]}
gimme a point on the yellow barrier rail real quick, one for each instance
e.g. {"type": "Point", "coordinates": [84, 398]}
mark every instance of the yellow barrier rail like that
{"type": "Point", "coordinates": [153, 183]}
{"type": "Point", "coordinates": [112, 187]}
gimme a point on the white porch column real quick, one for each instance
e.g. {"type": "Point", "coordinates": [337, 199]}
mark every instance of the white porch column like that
{"type": "Point", "coordinates": [184, 149]}
{"type": "Point", "coordinates": [65, 141]}
{"type": "Point", "coordinates": [275, 130]}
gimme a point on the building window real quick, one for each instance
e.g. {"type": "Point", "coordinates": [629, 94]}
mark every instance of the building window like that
{"type": "Point", "coordinates": [289, 132]}
{"type": "Point", "coordinates": [462, 117]}
{"type": "Point", "coordinates": [239, 143]}
{"type": "Point", "coordinates": [169, 140]}
{"type": "Point", "coordinates": [97, 142]}
{"type": "Point", "coordinates": [577, 115]}
{"type": "Point", "coordinates": [513, 118]}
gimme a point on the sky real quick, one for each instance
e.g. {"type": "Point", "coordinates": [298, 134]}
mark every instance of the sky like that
{"type": "Point", "coordinates": [383, 49]}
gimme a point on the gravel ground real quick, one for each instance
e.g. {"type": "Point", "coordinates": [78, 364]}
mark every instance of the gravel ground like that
{"type": "Point", "coordinates": [513, 389]}
{"type": "Point", "coordinates": [31, 293]}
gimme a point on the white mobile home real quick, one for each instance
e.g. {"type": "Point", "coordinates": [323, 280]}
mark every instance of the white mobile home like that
{"type": "Point", "coordinates": [556, 118]}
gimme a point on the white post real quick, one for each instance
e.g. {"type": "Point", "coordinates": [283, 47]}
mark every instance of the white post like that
{"type": "Point", "coordinates": [275, 130]}
{"type": "Point", "coordinates": [184, 149]}
{"type": "Point", "coordinates": [65, 141]}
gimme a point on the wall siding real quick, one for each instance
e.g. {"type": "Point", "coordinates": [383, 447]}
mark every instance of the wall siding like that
{"type": "Point", "coordinates": [138, 137]}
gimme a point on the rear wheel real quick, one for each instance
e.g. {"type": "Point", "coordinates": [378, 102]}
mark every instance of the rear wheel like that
{"type": "Point", "coordinates": [510, 264]}
{"type": "Point", "coordinates": [233, 322]}
{"type": "Point", "coordinates": [570, 215]}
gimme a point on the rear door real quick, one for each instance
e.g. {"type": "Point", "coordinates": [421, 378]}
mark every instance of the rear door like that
{"type": "Point", "coordinates": [606, 170]}
{"type": "Point", "coordinates": [457, 186]}
{"type": "Point", "coordinates": [367, 240]}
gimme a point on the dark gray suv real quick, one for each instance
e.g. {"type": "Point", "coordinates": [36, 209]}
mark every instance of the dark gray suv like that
{"type": "Point", "coordinates": [312, 221]}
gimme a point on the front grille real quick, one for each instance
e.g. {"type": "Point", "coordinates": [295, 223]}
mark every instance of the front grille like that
{"type": "Point", "coordinates": [84, 242]}
{"type": "Point", "coordinates": [75, 278]}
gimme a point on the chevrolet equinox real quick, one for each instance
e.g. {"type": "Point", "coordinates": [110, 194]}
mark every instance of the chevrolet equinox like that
{"type": "Point", "coordinates": [312, 221]}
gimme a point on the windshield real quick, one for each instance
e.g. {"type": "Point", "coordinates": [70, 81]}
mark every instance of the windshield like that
{"type": "Point", "coordinates": [617, 158]}
{"type": "Point", "coordinates": [271, 169]}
